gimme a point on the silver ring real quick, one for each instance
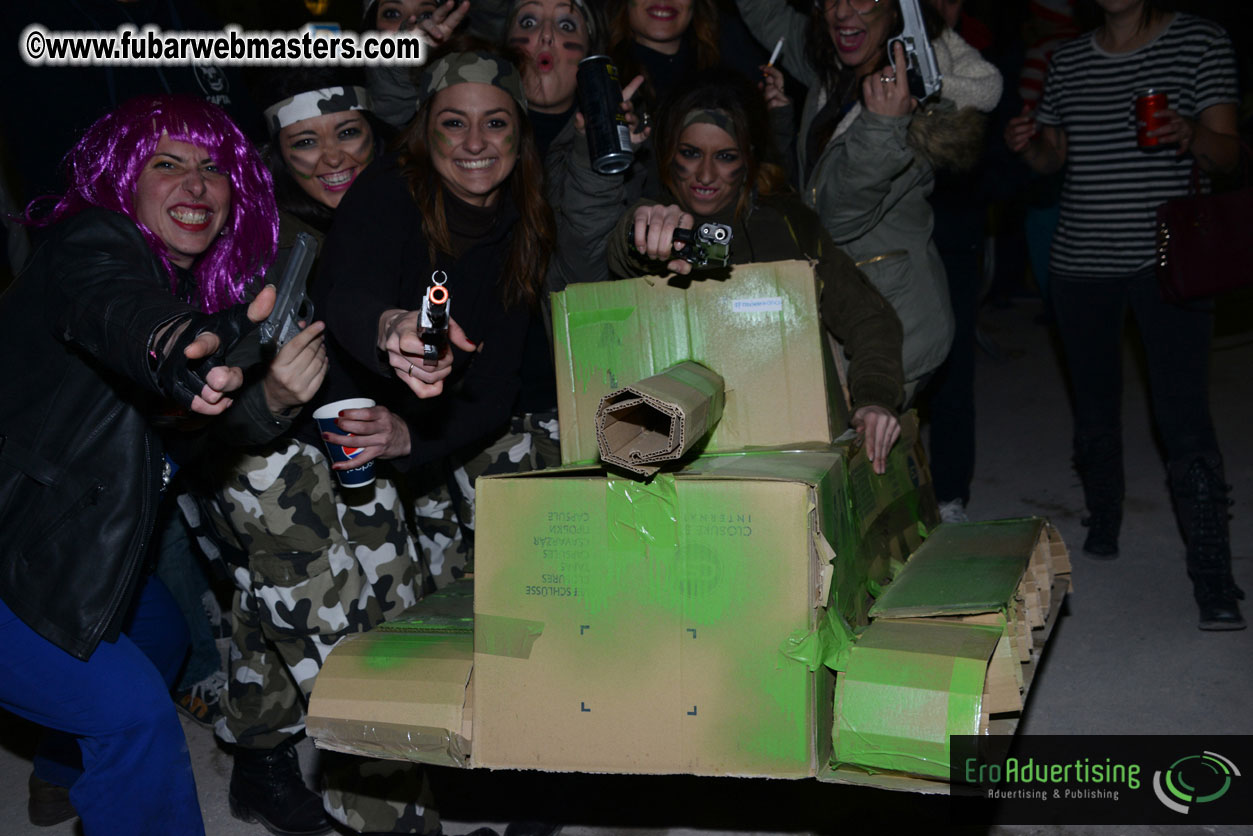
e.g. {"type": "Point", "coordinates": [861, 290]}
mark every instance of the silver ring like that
{"type": "Point", "coordinates": [411, 370]}
{"type": "Point", "coordinates": [887, 80]}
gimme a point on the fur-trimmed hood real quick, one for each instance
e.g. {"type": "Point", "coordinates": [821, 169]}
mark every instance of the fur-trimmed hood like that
{"type": "Point", "coordinates": [948, 137]}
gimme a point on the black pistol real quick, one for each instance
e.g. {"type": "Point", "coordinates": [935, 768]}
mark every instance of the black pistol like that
{"type": "Point", "coordinates": [436, 311]}
{"type": "Point", "coordinates": [292, 305]}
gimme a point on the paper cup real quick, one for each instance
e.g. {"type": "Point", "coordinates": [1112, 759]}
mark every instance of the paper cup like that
{"type": "Point", "coordinates": [326, 417]}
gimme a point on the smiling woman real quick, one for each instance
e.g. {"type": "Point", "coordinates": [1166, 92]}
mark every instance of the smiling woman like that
{"type": "Point", "coordinates": [464, 196]}
{"type": "Point", "coordinates": [184, 197]}
{"type": "Point", "coordinates": [117, 319]}
{"type": "Point", "coordinates": [323, 134]}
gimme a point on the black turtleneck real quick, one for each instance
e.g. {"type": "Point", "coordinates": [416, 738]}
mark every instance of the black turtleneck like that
{"type": "Point", "coordinates": [469, 225]}
{"type": "Point", "coordinates": [547, 126]}
{"type": "Point", "coordinates": [665, 71]}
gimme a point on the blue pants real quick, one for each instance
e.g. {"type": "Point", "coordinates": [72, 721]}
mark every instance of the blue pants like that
{"type": "Point", "coordinates": [136, 775]}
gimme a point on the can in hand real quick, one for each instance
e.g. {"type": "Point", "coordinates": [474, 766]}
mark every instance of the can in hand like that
{"type": "Point", "coordinates": [600, 100]}
{"type": "Point", "coordinates": [1148, 103]}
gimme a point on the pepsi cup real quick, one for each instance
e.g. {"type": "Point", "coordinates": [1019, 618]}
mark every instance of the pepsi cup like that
{"type": "Point", "coordinates": [327, 417]}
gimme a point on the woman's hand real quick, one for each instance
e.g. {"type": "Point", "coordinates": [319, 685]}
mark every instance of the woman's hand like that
{"type": "Point", "coordinates": [639, 128]}
{"type": "Point", "coordinates": [772, 88]}
{"type": "Point", "coordinates": [444, 21]}
{"type": "Point", "coordinates": [381, 434]}
{"type": "Point", "coordinates": [399, 336]}
{"type": "Point", "coordinates": [297, 371]}
{"type": "Point", "coordinates": [654, 234]}
{"type": "Point", "coordinates": [887, 91]}
{"type": "Point", "coordinates": [879, 429]}
{"type": "Point", "coordinates": [1021, 130]}
{"type": "Point", "coordinates": [220, 380]}
{"type": "Point", "coordinates": [1178, 130]}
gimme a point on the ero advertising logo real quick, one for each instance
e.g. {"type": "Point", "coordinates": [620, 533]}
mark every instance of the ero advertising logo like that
{"type": "Point", "coordinates": [1101, 779]}
{"type": "Point", "coordinates": [1194, 779]}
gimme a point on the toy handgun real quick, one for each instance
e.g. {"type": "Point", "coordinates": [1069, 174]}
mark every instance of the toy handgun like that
{"type": "Point", "coordinates": [292, 304]}
{"type": "Point", "coordinates": [923, 71]}
{"type": "Point", "coordinates": [708, 245]}
{"type": "Point", "coordinates": [436, 311]}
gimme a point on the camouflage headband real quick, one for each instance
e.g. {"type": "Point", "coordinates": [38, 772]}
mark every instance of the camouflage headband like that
{"type": "Point", "coordinates": [473, 67]}
{"type": "Point", "coordinates": [313, 103]}
{"type": "Point", "coordinates": [717, 118]}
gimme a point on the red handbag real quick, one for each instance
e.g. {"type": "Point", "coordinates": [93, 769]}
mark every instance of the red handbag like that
{"type": "Point", "coordinates": [1205, 241]}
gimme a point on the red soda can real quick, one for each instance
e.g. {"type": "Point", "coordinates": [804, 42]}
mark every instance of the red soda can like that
{"type": "Point", "coordinates": [1148, 103]}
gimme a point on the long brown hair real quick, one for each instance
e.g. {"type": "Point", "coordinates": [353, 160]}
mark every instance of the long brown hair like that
{"type": "Point", "coordinates": [534, 234]}
{"type": "Point", "coordinates": [703, 28]}
{"type": "Point", "coordinates": [750, 128]}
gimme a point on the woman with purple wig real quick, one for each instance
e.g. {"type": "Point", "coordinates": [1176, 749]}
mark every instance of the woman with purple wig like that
{"type": "Point", "coordinates": [115, 335]}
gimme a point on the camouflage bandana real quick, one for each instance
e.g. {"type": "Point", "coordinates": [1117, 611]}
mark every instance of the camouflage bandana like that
{"type": "Point", "coordinates": [717, 118]}
{"type": "Point", "coordinates": [313, 103]}
{"type": "Point", "coordinates": [474, 67]}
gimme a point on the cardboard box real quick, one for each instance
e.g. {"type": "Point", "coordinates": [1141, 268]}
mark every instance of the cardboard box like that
{"type": "Point", "coordinates": [759, 329]}
{"type": "Point", "coordinates": [402, 691]}
{"type": "Point", "coordinates": [951, 649]}
{"type": "Point", "coordinates": [660, 418]}
{"type": "Point", "coordinates": [656, 613]}
{"type": "Point", "coordinates": [698, 642]}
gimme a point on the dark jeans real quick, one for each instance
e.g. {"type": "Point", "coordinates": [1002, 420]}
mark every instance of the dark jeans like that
{"type": "Point", "coordinates": [1091, 314]}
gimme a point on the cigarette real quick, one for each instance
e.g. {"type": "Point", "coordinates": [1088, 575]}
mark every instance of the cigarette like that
{"type": "Point", "coordinates": [774, 56]}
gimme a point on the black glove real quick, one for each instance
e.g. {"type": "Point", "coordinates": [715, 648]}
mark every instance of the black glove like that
{"type": "Point", "coordinates": [183, 379]}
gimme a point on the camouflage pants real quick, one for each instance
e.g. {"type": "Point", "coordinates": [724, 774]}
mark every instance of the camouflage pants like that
{"type": "Point", "coordinates": [444, 509]}
{"type": "Point", "coordinates": [323, 563]}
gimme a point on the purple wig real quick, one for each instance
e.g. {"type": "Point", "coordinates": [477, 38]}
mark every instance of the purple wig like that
{"type": "Point", "coordinates": [103, 170]}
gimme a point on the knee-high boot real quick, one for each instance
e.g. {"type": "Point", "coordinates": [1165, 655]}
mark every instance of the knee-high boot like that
{"type": "Point", "coordinates": [1199, 491]}
{"type": "Point", "coordinates": [1098, 458]}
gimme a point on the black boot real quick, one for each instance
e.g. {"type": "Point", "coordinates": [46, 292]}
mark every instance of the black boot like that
{"type": "Point", "coordinates": [1098, 458]}
{"type": "Point", "coordinates": [266, 787]}
{"type": "Point", "coordinates": [48, 804]}
{"type": "Point", "coordinates": [1200, 494]}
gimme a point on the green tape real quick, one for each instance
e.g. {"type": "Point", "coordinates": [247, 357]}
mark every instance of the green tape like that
{"type": "Point", "coordinates": [497, 635]}
{"type": "Point", "coordinates": [907, 687]}
{"type": "Point", "coordinates": [827, 645]}
{"type": "Point", "coordinates": [642, 513]}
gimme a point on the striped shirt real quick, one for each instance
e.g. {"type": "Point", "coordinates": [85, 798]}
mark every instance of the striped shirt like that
{"type": "Point", "coordinates": [1108, 223]}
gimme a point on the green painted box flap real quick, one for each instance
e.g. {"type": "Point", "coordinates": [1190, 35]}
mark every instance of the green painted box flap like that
{"type": "Point", "coordinates": [962, 569]}
{"type": "Point", "coordinates": [909, 685]}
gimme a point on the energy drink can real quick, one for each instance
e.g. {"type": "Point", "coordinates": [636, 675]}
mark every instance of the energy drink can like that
{"type": "Point", "coordinates": [600, 99]}
{"type": "Point", "coordinates": [1148, 103]}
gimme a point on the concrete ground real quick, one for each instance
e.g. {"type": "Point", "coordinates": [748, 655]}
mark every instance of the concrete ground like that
{"type": "Point", "coordinates": [1126, 657]}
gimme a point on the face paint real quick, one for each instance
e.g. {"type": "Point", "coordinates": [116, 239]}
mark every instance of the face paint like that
{"type": "Point", "coordinates": [477, 123]}
{"type": "Point", "coordinates": [327, 153]}
{"type": "Point", "coordinates": [553, 35]}
{"type": "Point", "coordinates": [708, 169]}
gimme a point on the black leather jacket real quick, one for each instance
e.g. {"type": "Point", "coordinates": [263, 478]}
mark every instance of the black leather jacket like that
{"type": "Point", "coordinates": [80, 466]}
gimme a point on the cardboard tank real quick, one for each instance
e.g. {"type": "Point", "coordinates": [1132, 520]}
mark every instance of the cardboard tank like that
{"type": "Point", "coordinates": [715, 582]}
